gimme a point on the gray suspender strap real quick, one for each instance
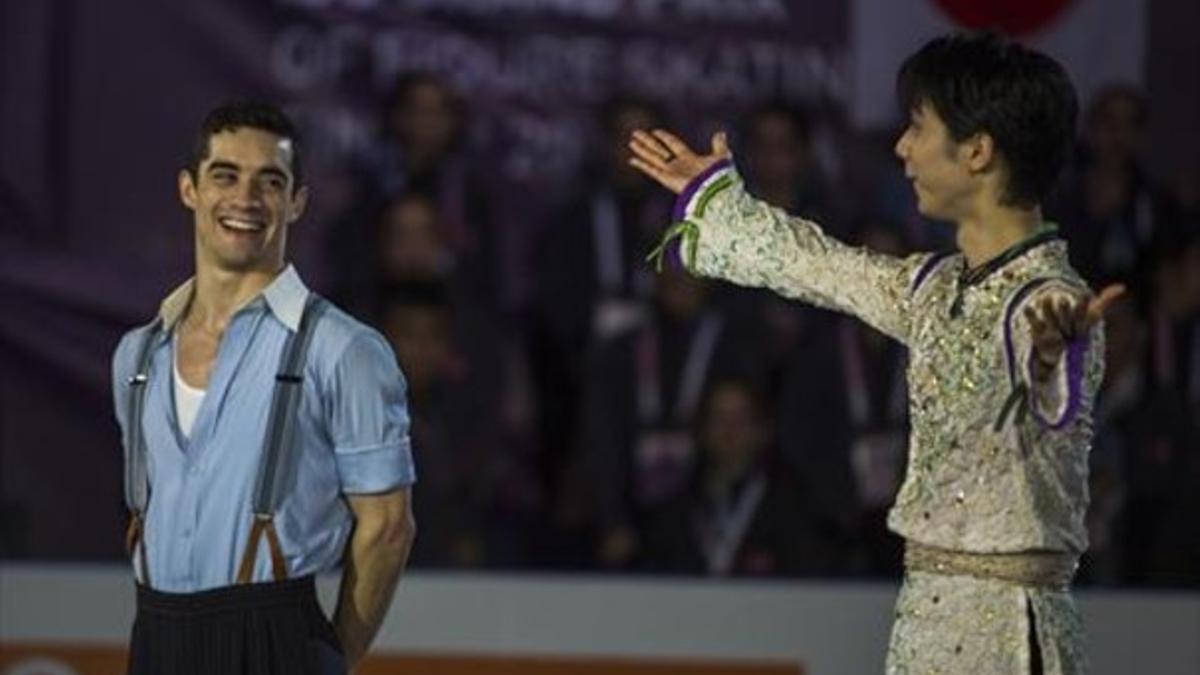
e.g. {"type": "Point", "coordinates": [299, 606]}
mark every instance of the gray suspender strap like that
{"type": "Point", "coordinates": [288, 387]}
{"type": "Point", "coordinates": [137, 486]}
{"type": "Point", "coordinates": [289, 384]}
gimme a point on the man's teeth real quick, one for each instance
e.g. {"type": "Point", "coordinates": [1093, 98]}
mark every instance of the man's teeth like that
{"type": "Point", "coordinates": [244, 225]}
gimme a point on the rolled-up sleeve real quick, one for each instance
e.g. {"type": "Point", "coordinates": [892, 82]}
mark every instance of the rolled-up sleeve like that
{"type": "Point", "coordinates": [368, 418]}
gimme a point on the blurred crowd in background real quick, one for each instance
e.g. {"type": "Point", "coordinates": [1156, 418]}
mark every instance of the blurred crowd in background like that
{"type": "Point", "coordinates": [575, 410]}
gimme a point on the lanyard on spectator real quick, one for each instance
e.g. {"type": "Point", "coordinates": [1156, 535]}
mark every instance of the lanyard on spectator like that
{"type": "Point", "coordinates": [691, 382]}
{"type": "Point", "coordinates": [721, 535]}
{"type": "Point", "coordinates": [606, 239]}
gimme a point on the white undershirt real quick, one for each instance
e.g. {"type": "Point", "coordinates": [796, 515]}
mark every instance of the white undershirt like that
{"type": "Point", "coordinates": [187, 401]}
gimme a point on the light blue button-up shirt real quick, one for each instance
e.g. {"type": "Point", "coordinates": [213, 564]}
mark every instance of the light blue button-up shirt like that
{"type": "Point", "coordinates": [352, 437]}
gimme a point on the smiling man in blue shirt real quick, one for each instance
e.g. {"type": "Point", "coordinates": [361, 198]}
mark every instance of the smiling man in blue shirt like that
{"type": "Point", "coordinates": [266, 436]}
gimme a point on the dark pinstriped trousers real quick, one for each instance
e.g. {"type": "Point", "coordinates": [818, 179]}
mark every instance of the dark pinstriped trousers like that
{"type": "Point", "coordinates": [268, 628]}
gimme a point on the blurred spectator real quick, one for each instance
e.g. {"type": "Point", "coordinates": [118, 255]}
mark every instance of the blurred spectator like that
{"type": "Point", "coordinates": [1108, 206]}
{"type": "Point", "coordinates": [1175, 316]}
{"type": "Point", "coordinates": [844, 426]}
{"type": "Point", "coordinates": [593, 281]}
{"type": "Point", "coordinates": [742, 514]}
{"type": "Point", "coordinates": [587, 438]}
{"type": "Point", "coordinates": [1120, 403]}
{"type": "Point", "coordinates": [779, 162]}
{"type": "Point", "coordinates": [641, 401]}
{"type": "Point", "coordinates": [421, 149]}
{"type": "Point", "coordinates": [781, 167]}
{"type": "Point", "coordinates": [475, 491]}
{"type": "Point", "coordinates": [1162, 460]}
{"type": "Point", "coordinates": [411, 245]}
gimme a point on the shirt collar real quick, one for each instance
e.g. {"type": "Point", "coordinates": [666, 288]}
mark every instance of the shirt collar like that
{"type": "Point", "coordinates": [285, 296]}
{"type": "Point", "coordinates": [972, 276]}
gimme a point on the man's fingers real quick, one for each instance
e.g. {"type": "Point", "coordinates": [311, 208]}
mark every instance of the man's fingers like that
{"type": "Point", "coordinates": [1064, 313]}
{"type": "Point", "coordinates": [653, 147]}
{"type": "Point", "coordinates": [1045, 331]}
{"type": "Point", "coordinates": [654, 172]}
{"type": "Point", "coordinates": [1058, 315]}
{"type": "Point", "coordinates": [651, 154]}
{"type": "Point", "coordinates": [672, 142]}
{"type": "Point", "coordinates": [1079, 316]}
{"type": "Point", "coordinates": [1099, 305]}
{"type": "Point", "coordinates": [720, 145]}
{"type": "Point", "coordinates": [648, 168]}
{"type": "Point", "coordinates": [1049, 342]}
{"type": "Point", "coordinates": [1036, 325]}
{"type": "Point", "coordinates": [1046, 337]}
{"type": "Point", "coordinates": [1111, 294]}
{"type": "Point", "coordinates": [1046, 314]}
{"type": "Point", "coordinates": [1092, 310]}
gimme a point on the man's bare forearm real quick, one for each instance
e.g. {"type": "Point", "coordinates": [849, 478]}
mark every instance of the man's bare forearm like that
{"type": "Point", "coordinates": [375, 559]}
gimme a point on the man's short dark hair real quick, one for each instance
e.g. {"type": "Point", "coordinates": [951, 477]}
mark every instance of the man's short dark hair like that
{"type": "Point", "coordinates": [235, 115]}
{"type": "Point", "coordinates": [1022, 98]}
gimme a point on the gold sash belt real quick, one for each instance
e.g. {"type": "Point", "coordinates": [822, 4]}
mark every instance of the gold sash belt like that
{"type": "Point", "coordinates": [1050, 569]}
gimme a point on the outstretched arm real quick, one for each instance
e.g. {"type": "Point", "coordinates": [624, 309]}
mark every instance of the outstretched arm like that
{"type": "Point", "coordinates": [728, 234]}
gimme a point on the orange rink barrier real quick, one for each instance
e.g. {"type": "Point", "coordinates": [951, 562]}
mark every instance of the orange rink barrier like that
{"type": "Point", "coordinates": [52, 659]}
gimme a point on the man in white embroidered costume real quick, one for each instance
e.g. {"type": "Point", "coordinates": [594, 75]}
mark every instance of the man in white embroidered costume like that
{"type": "Point", "coordinates": [1005, 348]}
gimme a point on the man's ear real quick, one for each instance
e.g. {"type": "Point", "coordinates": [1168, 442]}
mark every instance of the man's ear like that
{"type": "Point", "coordinates": [980, 151]}
{"type": "Point", "coordinates": [299, 203]}
{"type": "Point", "coordinates": [187, 189]}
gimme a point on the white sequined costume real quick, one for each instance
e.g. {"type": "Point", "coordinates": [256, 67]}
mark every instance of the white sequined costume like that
{"type": "Point", "coordinates": [997, 465]}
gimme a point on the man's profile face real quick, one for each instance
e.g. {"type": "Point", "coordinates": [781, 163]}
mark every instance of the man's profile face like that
{"type": "Point", "coordinates": [934, 164]}
{"type": "Point", "coordinates": [243, 198]}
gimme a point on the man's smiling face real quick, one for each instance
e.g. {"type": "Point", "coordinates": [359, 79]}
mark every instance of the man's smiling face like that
{"type": "Point", "coordinates": [243, 197]}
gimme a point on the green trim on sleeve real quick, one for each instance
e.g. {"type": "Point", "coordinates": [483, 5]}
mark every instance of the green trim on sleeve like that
{"type": "Point", "coordinates": [711, 191]}
{"type": "Point", "coordinates": [689, 234]}
{"type": "Point", "coordinates": [687, 231]}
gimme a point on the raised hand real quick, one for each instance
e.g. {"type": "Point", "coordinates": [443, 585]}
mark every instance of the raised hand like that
{"type": "Point", "coordinates": [1055, 323]}
{"type": "Point", "coordinates": [668, 160]}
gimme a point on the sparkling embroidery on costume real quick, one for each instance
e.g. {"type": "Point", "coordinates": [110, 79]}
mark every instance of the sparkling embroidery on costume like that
{"type": "Point", "coordinates": [972, 485]}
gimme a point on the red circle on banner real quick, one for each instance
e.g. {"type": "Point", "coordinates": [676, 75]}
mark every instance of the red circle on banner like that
{"type": "Point", "coordinates": [1012, 17]}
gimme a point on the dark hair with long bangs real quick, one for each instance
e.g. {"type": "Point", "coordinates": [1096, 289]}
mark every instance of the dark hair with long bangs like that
{"type": "Point", "coordinates": [1020, 97]}
{"type": "Point", "coordinates": [235, 115]}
